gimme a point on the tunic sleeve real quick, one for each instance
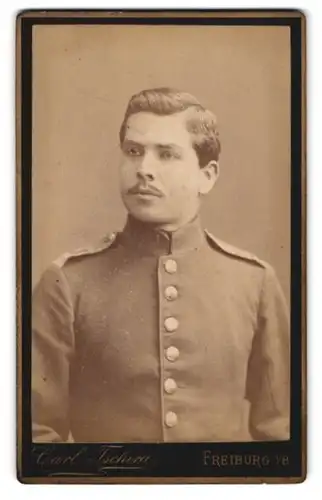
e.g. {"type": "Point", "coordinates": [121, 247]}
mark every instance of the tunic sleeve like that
{"type": "Point", "coordinates": [268, 381]}
{"type": "Point", "coordinates": [52, 349]}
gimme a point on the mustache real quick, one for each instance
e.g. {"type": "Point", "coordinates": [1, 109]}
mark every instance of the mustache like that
{"type": "Point", "coordinates": [140, 188]}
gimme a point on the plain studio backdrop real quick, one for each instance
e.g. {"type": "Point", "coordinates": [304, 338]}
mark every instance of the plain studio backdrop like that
{"type": "Point", "coordinates": [83, 77]}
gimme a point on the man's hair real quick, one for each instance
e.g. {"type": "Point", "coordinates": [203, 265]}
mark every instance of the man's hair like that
{"type": "Point", "coordinates": [201, 123]}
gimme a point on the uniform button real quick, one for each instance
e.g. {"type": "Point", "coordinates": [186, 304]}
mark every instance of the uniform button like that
{"type": "Point", "coordinates": [171, 419]}
{"type": "Point", "coordinates": [171, 293]}
{"type": "Point", "coordinates": [172, 353]}
{"type": "Point", "coordinates": [170, 385]}
{"type": "Point", "coordinates": [171, 324]}
{"type": "Point", "coordinates": [170, 266]}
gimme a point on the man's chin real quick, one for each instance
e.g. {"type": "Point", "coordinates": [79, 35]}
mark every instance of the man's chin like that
{"type": "Point", "coordinates": [148, 217]}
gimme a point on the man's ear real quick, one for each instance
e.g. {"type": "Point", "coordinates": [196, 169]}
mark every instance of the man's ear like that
{"type": "Point", "coordinates": [208, 176]}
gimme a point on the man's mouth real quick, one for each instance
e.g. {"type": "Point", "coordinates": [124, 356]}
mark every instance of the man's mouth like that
{"type": "Point", "coordinates": [145, 191]}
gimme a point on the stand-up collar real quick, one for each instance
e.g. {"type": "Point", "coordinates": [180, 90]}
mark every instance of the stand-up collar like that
{"type": "Point", "coordinates": [146, 239]}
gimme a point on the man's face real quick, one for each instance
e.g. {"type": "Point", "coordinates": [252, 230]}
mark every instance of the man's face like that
{"type": "Point", "coordinates": [161, 180]}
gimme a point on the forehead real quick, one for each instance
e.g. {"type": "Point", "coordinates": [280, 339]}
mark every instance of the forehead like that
{"type": "Point", "coordinates": [149, 128]}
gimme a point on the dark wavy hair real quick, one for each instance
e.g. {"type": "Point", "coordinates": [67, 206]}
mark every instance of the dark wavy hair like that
{"type": "Point", "coordinates": [201, 123]}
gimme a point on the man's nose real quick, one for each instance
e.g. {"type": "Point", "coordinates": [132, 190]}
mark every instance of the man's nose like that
{"type": "Point", "coordinates": [146, 168]}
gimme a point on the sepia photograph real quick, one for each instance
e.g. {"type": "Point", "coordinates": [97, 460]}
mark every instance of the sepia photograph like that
{"type": "Point", "coordinates": [158, 189]}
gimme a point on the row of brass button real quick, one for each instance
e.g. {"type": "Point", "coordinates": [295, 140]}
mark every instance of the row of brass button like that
{"type": "Point", "coordinates": [171, 324]}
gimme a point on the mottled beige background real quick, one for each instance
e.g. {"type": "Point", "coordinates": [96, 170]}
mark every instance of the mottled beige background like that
{"type": "Point", "coordinates": [83, 77]}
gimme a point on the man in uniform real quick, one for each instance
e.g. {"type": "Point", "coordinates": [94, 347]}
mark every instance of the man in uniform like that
{"type": "Point", "coordinates": [163, 333]}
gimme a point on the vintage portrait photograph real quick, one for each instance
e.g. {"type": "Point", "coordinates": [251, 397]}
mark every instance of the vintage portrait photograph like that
{"type": "Point", "coordinates": [161, 171]}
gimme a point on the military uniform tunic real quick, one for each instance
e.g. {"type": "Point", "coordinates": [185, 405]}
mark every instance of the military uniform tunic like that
{"type": "Point", "coordinates": [158, 337]}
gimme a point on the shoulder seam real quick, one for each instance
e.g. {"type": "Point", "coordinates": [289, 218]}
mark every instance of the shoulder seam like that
{"type": "Point", "coordinates": [230, 250]}
{"type": "Point", "coordinates": [91, 250]}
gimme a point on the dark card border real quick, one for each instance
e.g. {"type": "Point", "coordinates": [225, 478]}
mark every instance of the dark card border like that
{"type": "Point", "coordinates": [168, 462]}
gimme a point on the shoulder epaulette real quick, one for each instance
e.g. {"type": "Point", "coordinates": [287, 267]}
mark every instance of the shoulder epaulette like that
{"type": "Point", "coordinates": [105, 243]}
{"type": "Point", "coordinates": [233, 251]}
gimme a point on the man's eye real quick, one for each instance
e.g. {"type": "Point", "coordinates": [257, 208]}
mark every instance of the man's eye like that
{"type": "Point", "coordinates": [133, 151]}
{"type": "Point", "coordinates": [167, 155]}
